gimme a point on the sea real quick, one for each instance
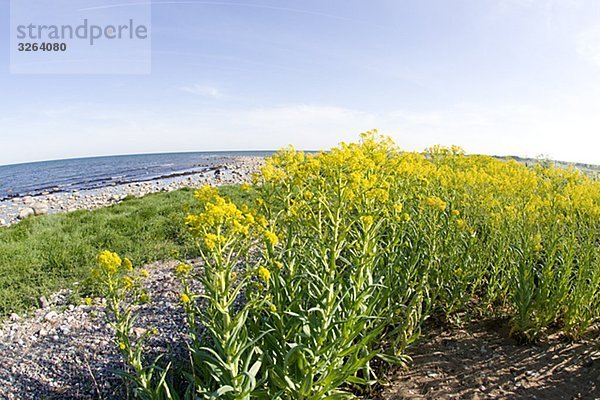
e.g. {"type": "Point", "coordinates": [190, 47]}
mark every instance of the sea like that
{"type": "Point", "coordinates": [31, 179]}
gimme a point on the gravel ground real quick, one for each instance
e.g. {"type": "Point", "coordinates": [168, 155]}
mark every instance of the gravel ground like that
{"type": "Point", "coordinates": [64, 351]}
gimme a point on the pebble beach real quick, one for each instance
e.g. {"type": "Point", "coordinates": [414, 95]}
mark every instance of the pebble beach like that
{"type": "Point", "coordinates": [230, 170]}
{"type": "Point", "coordinates": [66, 350]}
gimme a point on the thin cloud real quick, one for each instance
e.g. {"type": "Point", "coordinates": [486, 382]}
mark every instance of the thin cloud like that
{"type": "Point", "coordinates": [239, 5]}
{"type": "Point", "coordinates": [201, 90]}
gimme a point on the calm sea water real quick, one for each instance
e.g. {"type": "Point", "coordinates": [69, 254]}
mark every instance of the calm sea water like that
{"type": "Point", "coordinates": [91, 173]}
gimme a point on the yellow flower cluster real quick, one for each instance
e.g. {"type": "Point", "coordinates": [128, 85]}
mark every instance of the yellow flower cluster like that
{"type": "Point", "coordinates": [211, 241]}
{"type": "Point", "coordinates": [184, 298]}
{"type": "Point", "coordinates": [109, 261]}
{"type": "Point", "coordinates": [263, 273]}
{"type": "Point", "coordinates": [374, 178]}
{"type": "Point", "coordinates": [206, 193]}
{"type": "Point", "coordinates": [116, 273]}
{"type": "Point", "coordinates": [183, 269]}
{"type": "Point", "coordinates": [272, 238]}
{"type": "Point", "coordinates": [436, 202]}
{"type": "Point", "coordinates": [127, 282]}
{"type": "Point", "coordinates": [367, 220]}
{"type": "Point", "coordinates": [220, 220]}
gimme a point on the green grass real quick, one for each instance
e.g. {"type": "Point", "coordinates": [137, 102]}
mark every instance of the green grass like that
{"type": "Point", "coordinates": [41, 255]}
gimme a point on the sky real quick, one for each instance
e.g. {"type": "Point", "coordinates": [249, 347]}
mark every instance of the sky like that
{"type": "Point", "coordinates": [503, 77]}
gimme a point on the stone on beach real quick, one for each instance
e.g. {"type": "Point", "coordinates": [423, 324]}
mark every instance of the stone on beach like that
{"type": "Point", "coordinates": [40, 208]}
{"type": "Point", "coordinates": [25, 212]}
{"type": "Point", "coordinates": [44, 302]}
{"type": "Point", "coordinates": [51, 316]}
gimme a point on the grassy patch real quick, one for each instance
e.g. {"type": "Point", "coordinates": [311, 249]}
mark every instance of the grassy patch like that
{"type": "Point", "coordinates": [43, 254]}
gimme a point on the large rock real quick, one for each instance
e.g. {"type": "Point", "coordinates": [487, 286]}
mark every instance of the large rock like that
{"type": "Point", "coordinates": [44, 303]}
{"type": "Point", "coordinates": [40, 208]}
{"type": "Point", "coordinates": [25, 212]}
{"type": "Point", "coordinates": [51, 316]}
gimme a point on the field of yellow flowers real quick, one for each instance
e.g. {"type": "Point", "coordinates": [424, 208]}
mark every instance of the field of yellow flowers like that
{"type": "Point", "coordinates": [328, 274]}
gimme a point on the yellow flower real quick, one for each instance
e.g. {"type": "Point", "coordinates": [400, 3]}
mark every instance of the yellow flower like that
{"type": "Point", "coordinates": [144, 273]}
{"type": "Point", "coordinates": [398, 207]}
{"type": "Point", "coordinates": [436, 202]}
{"type": "Point", "coordinates": [272, 238]}
{"type": "Point", "coordinates": [241, 229]}
{"type": "Point", "coordinates": [367, 220]}
{"type": "Point", "coordinates": [461, 224]}
{"type": "Point", "coordinates": [184, 298]}
{"type": "Point", "coordinates": [144, 298]}
{"type": "Point", "coordinates": [127, 264]}
{"type": "Point", "coordinates": [87, 301]}
{"type": "Point", "coordinates": [206, 193]}
{"type": "Point", "coordinates": [307, 195]}
{"type": "Point", "coordinates": [245, 187]}
{"type": "Point", "coordinates": [210, 241]}
{"type": "Point", "coordinates": [262, 221]}
{"type": "Point", "coordinates": [127, 282]}
{"type": "Point", "coordinates": [122, 346]}
{"type": "Point", "coordinates": [456, 213]}
{"type": "Point", "coordinates": [406, 217]}
{"type": "Point", "coordinates": [273, 308]}
{"type": "Point", "coordinates": [183, 269]}
{"type": "Point", "coordinates": [109, 261]}
{"type": "Point", "coordinates": [264, 273]}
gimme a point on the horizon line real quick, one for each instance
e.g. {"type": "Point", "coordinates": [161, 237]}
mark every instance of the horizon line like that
{"type": "Point", "coordinates": [85, 157]}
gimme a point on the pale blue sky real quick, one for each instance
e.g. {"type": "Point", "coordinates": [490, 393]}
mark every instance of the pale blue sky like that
{"type": "Point", "coordinates": [519, 77]}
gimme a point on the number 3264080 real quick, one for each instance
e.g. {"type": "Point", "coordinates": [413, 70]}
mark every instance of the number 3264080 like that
{"type": "Point", "coordinates": [42, 47]}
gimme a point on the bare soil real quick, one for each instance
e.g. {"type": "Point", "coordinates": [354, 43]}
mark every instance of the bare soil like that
{"type": "Point", "coordinates": [482, 361]}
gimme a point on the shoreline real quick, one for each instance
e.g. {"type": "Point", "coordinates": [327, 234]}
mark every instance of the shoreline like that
{"type": "Point", "coordinates": [233, 170]}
